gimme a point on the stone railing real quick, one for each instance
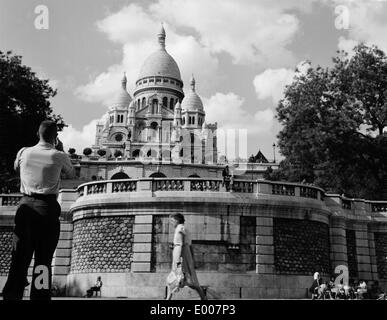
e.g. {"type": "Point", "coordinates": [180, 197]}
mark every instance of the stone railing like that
{"type": "Point", "coordinates": [200, 185]}
{"type": "Point", "coordinates": [11, 199]}
{"type": "Point", "coordinates": [284, 190]}
{"type": "Point", "coordinates": [168, 185]}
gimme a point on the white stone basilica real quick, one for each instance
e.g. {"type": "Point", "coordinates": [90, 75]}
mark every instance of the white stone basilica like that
{"type": "Point", "coordinates": [160, 122]}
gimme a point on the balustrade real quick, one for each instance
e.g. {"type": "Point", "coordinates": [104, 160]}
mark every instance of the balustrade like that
{"type": "Point", "coordinates": [168, 185]}
{"type": "Point", "coordinates": [283, 190]}
{"type": "Point", "coordinates": [124, 186]}
{"type": "Point", "coordinates": [10, 200]}
{"type": "Point", "coordinates": [307, 192]}
{"type": "Point", "coordinates": [205, 185]}
{"type": "Point", "coordinates": [96, 188]}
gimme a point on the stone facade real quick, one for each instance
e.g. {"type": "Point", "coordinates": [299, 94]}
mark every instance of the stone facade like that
{"type": "Point", "coordinates": [381, 254]}
{"type": "Point", "coordinates": [350, 236]}
{"type": "Point", "coordinates": [301, 247]}
{"type": "Point", "coordinates": [5, 249]}
{"type": "Point", "coordinates": [102, 245]}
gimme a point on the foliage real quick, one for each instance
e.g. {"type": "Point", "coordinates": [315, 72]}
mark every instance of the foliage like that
{"type": "Point", "coordinates": [101, 152]}
{"type": "Point", "coordinates": [24, 103]}
{"type": "Point", "coordinates": [333, 121]}
{"type": "Point", "coordinates": [87, 151]}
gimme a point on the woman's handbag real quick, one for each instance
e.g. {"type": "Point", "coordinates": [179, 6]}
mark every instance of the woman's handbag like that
{"type": "Point", "coordinates": [175, 279]}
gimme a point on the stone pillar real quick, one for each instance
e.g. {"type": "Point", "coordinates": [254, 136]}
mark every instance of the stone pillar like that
{"type": "Point", "coordinates": [264, 246]}
{"type": "Point", "coordinates": [363, 252]}
{"type": "Point", "coordinates": [338, 243]}
{"type": "Point", "coordinates": [142, 243]}
{"type": "Point", "coordinates": [373, 258]}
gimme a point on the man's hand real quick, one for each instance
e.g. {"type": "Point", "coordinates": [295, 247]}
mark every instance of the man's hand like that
{"type": "Point", "coordinates": [59, 145]}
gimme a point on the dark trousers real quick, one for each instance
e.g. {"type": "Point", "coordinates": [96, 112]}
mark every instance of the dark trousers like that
{"type": "Point", "coordinates": [36, 232]}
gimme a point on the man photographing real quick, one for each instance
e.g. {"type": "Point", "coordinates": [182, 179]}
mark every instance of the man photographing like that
{"type": "Point", "coordinates": [37, 225]}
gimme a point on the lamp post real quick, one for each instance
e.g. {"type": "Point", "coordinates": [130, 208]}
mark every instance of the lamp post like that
{"type": "Point", "coordinates": [274, 151]}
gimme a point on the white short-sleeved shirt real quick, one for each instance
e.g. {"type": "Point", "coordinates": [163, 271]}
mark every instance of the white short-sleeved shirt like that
{"type": "Point", "coordinates": [185, 232]}
{"type": "Point", "coordinates": [40, 168]}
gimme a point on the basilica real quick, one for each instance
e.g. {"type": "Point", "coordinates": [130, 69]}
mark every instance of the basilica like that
{"type": "Point", "coordinates": [160, 122]}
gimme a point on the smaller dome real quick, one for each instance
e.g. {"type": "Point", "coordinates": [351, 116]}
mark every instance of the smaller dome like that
{"type": "Point", "coordinates": [123, 98]}
{"type": "Point", "coordinates": [192, 101]}
{"type": "Point", "coordinates": [178, 105]}
{"type": "Point", "coordinates": [132, 105]}
{"type": "Point", "coordinates": [204, 125]}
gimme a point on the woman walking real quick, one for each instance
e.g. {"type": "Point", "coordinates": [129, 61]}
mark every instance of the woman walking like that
{"type": "Point", "coordinates": [183, 269]}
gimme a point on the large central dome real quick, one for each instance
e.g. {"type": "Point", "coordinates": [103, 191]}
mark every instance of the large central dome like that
{"type": "Point", "coordinates": [160, 63]}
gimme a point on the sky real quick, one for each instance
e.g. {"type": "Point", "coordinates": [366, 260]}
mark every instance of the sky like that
{"type": "Point", "coordinates": [242, 52]}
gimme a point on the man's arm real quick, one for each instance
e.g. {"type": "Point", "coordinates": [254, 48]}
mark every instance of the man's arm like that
{"type": "Point", "coordinates": [67, 166]}
{"type": "Point", "coordinates": [16, 164]}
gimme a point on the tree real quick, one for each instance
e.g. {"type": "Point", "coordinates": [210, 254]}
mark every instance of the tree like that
{"type": "Point", "coordinates": [333, 121]}
{"type": "Point", "coordinates": [101, 152]}
{"type": "Point", "coordinates": [24, 103]}
{"type": "Point", "coordinates": [71, 151]}
{"type": "Point", "coordinates": [87, 151]}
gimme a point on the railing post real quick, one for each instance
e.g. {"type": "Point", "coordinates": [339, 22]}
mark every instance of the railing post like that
{"type": "Point", "coordinates": [187, 185]}
{"type": "Point", "coordinates": [85, 190]}
{"type": "Point", "coordinates": [109, 187]}
{"type": "Point", "coordinates": [297, 191]}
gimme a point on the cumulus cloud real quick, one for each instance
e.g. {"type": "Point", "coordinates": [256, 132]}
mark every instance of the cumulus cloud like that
{"type": "Point", "coordinates": [135, 28]}
{"type": "Point", "coordinates": [252, 32]}
{"type": "Point", "coordinates": [227, 109]}
{"type": "Point", "coordinates": [272, 82]}
{"type": "Point", "coordinates": [236, 126]}
{"type": "Point", "coordinates": [79, 139]}
{"type": "Point", "coordinates": [367, 23]}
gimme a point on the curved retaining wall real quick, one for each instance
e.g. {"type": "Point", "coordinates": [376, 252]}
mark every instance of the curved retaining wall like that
{"type": "Point", "coordinates": [261, 240]}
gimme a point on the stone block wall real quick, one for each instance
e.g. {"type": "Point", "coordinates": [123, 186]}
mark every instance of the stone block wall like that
{"type": "Point", "coordinates": [350, 236]}
{"type": "Point", "coordinates": [212, 254]}
{"type": "Point", "coordinates": [5, 249]}
{"type": "Point", "coordinates": [301, 246]}
{"type": "Point", "coordinates": [103, 244]}
{"type": "Point", "coordinates": [381, 253]}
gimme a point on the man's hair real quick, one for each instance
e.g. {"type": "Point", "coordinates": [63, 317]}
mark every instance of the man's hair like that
{"type": "Point", "coordinates": [48, 130]}
{"type": "Point", "coordinates": [178, 217]}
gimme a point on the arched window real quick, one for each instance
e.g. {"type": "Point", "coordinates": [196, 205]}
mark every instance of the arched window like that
{"type": "Point", "coordinates": [165, 102]}
{"type": "Point", "coordinates": [119, 175]}
{"type": "Point", "coordinates": [189, 120]}
{"type": "Point", "coordinates": [157, 175]}
{"type": "Point", "coordinates": [181, 153]}
{"type": "Point", "coordinates": [171, 103]}
{"type": "Point", "coordinates": [143, 102]}
{"type": "Point", "coordinates": [193, 120]}
{"type": "Point", "coordinates": [155, 102]}
{"type": "Point", "coordinates": [151, 153]}
{"type": "Point", "coordinates": [183, 120]}
{"type": "Point", "coordinates": [136, 153]}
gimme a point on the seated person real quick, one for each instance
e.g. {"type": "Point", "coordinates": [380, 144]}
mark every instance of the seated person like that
{"type": "Point", "coordinates": [362, 290]}
{"type": "Point", "coordinates": [95, 289]}
{"type": "Point", "coordinates": [332, 287]}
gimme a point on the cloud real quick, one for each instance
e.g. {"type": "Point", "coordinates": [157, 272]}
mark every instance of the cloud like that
{"type": "Point", "coordinates": [79, 139]}
{"type": "Point", "coordinates": [367, 23]}
{"type": "Point", "coordinates": [252, 32]}
{"type": "Point", "coordinates": [227, 109]}
{"type": "Point", "coordinates": [271, 83]}
{"type": "Point", "coordinates": [136, 30]}
{"type": "Point", "coordinates": [236, 126]}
